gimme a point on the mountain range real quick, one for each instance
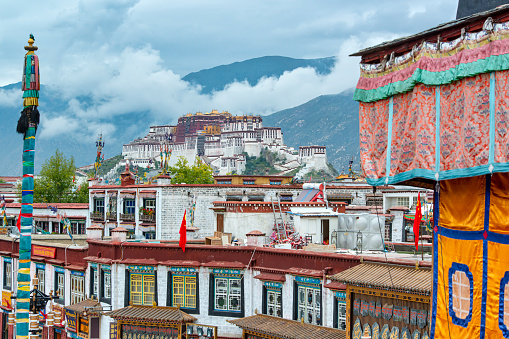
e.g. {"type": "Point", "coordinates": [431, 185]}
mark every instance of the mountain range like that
{"type": "Point", "coordinates": [330, 120]}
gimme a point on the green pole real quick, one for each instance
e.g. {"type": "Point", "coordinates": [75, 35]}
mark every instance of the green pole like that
{"type": "Point", "coordinates": [27, 125]}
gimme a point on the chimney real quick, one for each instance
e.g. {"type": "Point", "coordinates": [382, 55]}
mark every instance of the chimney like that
{"type": "Point", "coordinates": [119, 234]}
{"type": "Point", "coordinates": [255, 238]}
{"type": "Point", "coordinates": [164, 179]}
{"type": "Point", "coordinates": [94, 232]}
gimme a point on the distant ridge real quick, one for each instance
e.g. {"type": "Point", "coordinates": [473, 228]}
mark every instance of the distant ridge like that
{"type": "Point", "coordinates": [330, 120]}
{"type": "Point", "coordinates": [129, 127]}
{"type": "Point", "coordinates": [252, 70]}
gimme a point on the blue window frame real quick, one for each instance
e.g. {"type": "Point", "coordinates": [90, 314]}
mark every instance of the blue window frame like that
{"type": "Point", "coordinates": [503, 306]}
{"type": "Point", "coordinates": [129, 206]}
{"type": "Point", "coordinates": [226, 297]}
{"type": "Point", "coordinates": [461, 294]}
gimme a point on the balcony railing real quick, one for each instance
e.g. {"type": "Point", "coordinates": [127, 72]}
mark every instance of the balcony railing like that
{"type": "Point", "coordinates": [97, 216]}
{"type": "Point", "coordinates": [112, 216]}
{"type": "Point", "coordinates": [150, 218]}
{"type": "Point", "coordinates": [127, 217]}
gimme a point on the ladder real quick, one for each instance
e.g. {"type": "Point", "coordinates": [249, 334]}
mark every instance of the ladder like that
{"type": "Point", "coordinates": [278, 218]}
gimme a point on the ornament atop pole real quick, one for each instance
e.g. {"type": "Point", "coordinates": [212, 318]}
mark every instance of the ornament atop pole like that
{"type": "Point", "coordinates": [27, 125]}
{"type": "Point", "coordinates": [98, 160]}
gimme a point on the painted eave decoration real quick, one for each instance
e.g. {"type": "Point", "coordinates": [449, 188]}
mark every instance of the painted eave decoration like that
{"type": "Point", "coordinates": [439, 111]}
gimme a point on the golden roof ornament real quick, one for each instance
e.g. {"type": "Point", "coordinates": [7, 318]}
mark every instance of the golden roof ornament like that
{"type": "Point", "coordinates": [31, 48]}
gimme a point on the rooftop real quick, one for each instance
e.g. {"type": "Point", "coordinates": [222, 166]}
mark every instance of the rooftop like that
{"type": "Point", "coordinates": [157, 314]}
{"type": "Point", "coordinates": [388, 277]}
{"type": "Point", "coordinates": [284, 328]}
{"type": "Point", "coordinates": [447, 31]}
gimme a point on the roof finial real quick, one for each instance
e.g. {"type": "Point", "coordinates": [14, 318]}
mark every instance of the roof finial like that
{"type": "Point", "coordinates": [31, 48]}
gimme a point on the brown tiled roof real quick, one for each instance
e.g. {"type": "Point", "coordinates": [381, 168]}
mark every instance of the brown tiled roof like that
{"type": "Point", "coordinates": [85, 305]}
{"type": "Point", "coordinates": [157, 314]}
{"type": "Point", "coordinates": [284, 328]}
{"type": "Point", "coordinates": [388, 277]}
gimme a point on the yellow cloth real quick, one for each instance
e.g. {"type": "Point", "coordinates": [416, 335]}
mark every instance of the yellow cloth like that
{"type": "Point", "coordinates": [462, 203]}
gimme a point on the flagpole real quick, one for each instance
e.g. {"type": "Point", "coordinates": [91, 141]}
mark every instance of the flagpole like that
{"type": "Point", "coordinates": [27, 125]}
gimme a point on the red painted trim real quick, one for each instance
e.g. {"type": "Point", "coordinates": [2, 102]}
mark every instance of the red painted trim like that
{"type": "Point", "coordinates": [181, 263]}
{"type": "Point", "coordinates": [334, 285]}
{"type": "Point", "coordinates": [305, 272]}
{"type": "Point", "coordinates": [224, 264]}
{"type": "Point", "coordinates": [271, 277]}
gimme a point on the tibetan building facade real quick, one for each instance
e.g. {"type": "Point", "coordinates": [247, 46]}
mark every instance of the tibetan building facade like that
{"type": "Point", "coordinates": [117, 288]}
{"type": "Point", "coordinates": [433, 113]}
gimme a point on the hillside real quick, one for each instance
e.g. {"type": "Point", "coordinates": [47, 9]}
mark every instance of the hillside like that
{"type": "Point", "coordinates": [252, 70]}
{"type": "Point", "coordinates": [334, 118]}
{"type": "Point", "coordinates": [330, 120]}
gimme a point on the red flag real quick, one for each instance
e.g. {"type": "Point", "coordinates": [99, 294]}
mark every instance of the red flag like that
{"type": "Point", "coordinates": [417, 221]}
{"type": "Point", "coordinates": [183, 233]}
{"type": "Point", "coordinates": [18, 223]}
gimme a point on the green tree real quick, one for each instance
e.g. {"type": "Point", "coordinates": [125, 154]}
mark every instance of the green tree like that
{"type": "Point", "coordinates": [198, 173]}
{"type": "Point", "coordinates": [55, 181]}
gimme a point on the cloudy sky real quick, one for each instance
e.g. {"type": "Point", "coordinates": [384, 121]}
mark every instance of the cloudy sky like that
{"type": "Point", "coordinates": [130, 55]}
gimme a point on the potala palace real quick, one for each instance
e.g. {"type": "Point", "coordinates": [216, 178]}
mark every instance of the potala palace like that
{"type": "Point", "coordinates": [222, 140]}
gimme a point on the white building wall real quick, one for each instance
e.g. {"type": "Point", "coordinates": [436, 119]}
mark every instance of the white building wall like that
{"type": "Point", "coordinates": [239, 224]}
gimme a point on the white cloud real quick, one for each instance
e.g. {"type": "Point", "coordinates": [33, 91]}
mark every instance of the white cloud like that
{"type": "Point", "coordinates": [11, 98]}
{"type": "Point", "coordinates": [415, 9]}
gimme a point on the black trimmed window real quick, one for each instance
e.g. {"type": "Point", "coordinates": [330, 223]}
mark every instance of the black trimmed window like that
{"type": "Point", "coordinates": [141, 285]}
{"type": "Point", "coordinates": [7, 276]}
{"type": "Point", "coordinates": [183, 289]}
{"type": "Point", "coordinates": [129, 206]}
{"type": "Point", "coordinates": [272, 298]}
{"type": "Point", "coordinates": [339, 313]}
{"type": "Point", "coordinates": [226, 297]}
{"type": "Point", "coordinates": [40, 273]}
{"type": "Point", "coordinates": [308, 300]}
{"type": "Point", "coordinates": [59, 284]}
{"type": "Point", "coordinates": [77, 287]}
{"type": "Point", "coordinates": [105, 284]}
{"type": "Point", "coordinates": [99, 205]}
{"type": "Point", "coordinates": [94, 280]}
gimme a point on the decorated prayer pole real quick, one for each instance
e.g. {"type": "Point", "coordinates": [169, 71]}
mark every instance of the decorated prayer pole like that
{"type": "Point", "coordinates": [27, 125]}
{"type": "Point", "coordinates": [98, 159]}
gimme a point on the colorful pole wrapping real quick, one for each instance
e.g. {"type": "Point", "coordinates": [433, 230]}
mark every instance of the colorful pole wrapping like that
{"type": "Point", "coordinates": [28, 126]}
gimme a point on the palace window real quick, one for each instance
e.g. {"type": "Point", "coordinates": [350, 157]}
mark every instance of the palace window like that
{"type": "Point", "coordinates": [340, 310]}
{"type": "Point", "coordinates": [309, 297]}
{"type": "Point", "coordinates": [7, 273]}
{"type": "Point", "coordinates": [461, 291]}
{"type": "Point", "coordinates": [142, 285]}
{"type": "Point", "coordinates": [184, 288]}
{"type": "Point", "coordinates": [60, 284]}
{"type": "Point", "coordinates": [149, 204]}
{"type": "Point", "coordinates": [40, 272]}
{"type": "Point", "coordinates": [403, 201]}
{"type": "Point", "coordinates": [503, 306]}
{"type": "Point", "coordinates": [99, 205]}
{"type": "Point", "coordinates": [77, 227]}
{"type": "Point", "coordinates": [106, 284]}
{"type": "Point", "coordinates": [94, 280]}
{"type": "Point", "coordinates": [227, 293]}
{"type": "Point", "coordinates": [272, 299]}
{"type": "Point", "coordinates": [129, 206]}
{"type": "Point", "coordinates": [77, 287]}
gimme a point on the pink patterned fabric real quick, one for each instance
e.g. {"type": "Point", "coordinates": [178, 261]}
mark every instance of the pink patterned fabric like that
{"type": "Point", "coordinates": [464, 121]}
{"type": "Point", "coordinates": [437, 63]}
{"type": "Point", "coordinates": [373, 121]}
{"type": "Point", "coordinates": [501, 117]}
{"type": "Point", "coordinates": [413, 130]}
